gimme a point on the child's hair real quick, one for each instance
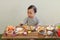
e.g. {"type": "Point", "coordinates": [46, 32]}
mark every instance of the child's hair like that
{"type": "Point", "coordinates": [34, 8]}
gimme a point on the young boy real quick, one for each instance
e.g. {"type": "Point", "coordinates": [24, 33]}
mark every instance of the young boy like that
{"type": "Point", "coordinates": [31, 20]}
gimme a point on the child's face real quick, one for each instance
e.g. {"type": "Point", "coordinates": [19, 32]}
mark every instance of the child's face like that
{"type": "Point", "coordinates": [31, 13]}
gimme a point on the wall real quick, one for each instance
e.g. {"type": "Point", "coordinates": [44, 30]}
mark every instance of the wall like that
{"type": "Point", "coordinates": [12, 12]}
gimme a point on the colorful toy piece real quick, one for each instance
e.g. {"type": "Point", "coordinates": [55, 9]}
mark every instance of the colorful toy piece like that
{"type": "Point", "coordinates": [29, 31]}
{"type": "Point", "coordinates": [39, 28]}
{"type": "Point", "coordinates": [19, 30]}
{"type": "Point", "coordinates": [10, 29]}
{"type": "Point", "coordinates": [58, 30]}
{"type": "Point", "coordinates": [25, 33]}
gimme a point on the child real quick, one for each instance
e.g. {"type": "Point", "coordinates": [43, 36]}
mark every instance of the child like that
{"type": "Point", "coordinates": [31, 20]}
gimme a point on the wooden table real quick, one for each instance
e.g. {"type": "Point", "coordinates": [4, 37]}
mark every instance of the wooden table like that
{"type": "Point", "coordinates": [28, 36]}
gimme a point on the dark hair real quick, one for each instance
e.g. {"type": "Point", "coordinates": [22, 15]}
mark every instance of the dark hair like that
{"type": "Point", "coordinates": [34, 8]}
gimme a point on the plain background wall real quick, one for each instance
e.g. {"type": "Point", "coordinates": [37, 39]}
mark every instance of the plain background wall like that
{"type": "Point", "coordinates": [12, 12]}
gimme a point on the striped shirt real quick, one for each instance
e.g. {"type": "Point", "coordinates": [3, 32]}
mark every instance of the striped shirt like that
{"type": "Point", "coordinates": [31, 21]}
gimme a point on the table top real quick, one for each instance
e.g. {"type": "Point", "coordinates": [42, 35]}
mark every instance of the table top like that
{"type": "Point", "coordinates": [31, 35]}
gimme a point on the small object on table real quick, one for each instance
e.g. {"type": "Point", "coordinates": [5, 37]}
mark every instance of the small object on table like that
{"type": "Point", "coordinates": [14, 34]}
{"type": "Point", "coordinates": [9, 30]}
{"type": "Point", "coordinates": [25, 27]}
{"type": "Point", "coordinates": [33, 30]}
{"type": "Point", "coordinates": [32, 27]}
{"type": "Point", "coordinates": [49, 33]}
{"type": "Point", "coordinates": [19, 30]}
{"type": "Point", "coordinates": [42, 32]}
{"type": "Point", "coordinates": [25, 33]}
{"type": "Point", "coordinates": [50, 30]}
{"type": "Point", "coordinates": [29, 31]}
{"type": "Point", "coordinates": [39, 28]}
{"type": "Point", "coordinates": [50, 27]}
{"type": "Point", "coordinates": [58, 30]}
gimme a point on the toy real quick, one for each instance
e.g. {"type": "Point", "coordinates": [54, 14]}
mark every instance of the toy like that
{"type": "Point", "coordinates": [29, 31]}
{"type": "Point", "coordinates": [39, 28]}
{"type": "Point", "coordinates": [19, 30]}
{"type": "Point", "coordinates": [25, 27]}
{"type": "Point", "coordinates": [25, 33]}
{"type": "Point", "coordinates": [10, 29]}
{"type": "Point", "coordinates": [58, 30]}
{"type": "Point", "coordinates": [50, 30]}
{"type": "Point", "coordinates": [32, 27]}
